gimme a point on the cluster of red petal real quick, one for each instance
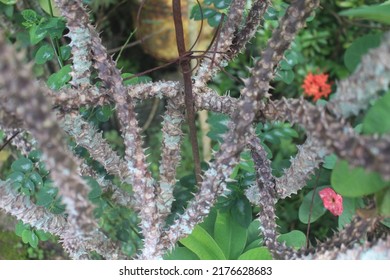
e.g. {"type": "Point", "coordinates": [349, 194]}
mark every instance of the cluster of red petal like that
{"type": "Point", "coordinates": [316, 86]}
{"type": "Point", "coordinates": [332, 201]}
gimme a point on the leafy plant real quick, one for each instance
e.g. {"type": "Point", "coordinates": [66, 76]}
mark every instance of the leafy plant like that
{"type": "Point", "coordinates": [379, 13]}
{"type": "Point", "coordinates": [30, 235]}
{"type": "Point", "coordinates": [275, 154]}
{"type": "Point", "coordinates": [213, 11]}
{"type": "Point", "coordinates": [221, 237]}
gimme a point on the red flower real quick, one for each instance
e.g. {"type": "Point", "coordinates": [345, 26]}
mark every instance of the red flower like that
{"type": "Point", "coordinates": [316, 86]}
{"type": "Point", "coordinates": [332, 201]}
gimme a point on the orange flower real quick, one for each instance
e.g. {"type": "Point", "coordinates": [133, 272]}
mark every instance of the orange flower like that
{"type": "Point", "coordinates": [316, 86]}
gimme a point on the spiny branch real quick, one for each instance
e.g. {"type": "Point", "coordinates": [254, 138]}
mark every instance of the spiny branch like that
{"type": "Point", "coordinates": [25, 106]}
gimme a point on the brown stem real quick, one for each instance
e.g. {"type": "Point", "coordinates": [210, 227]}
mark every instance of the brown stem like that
{"type": "Point", "coordinates": [188, 98]}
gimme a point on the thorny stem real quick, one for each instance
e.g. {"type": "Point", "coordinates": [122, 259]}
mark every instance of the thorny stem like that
{"type": "Point", "coordinates": [326, 133]}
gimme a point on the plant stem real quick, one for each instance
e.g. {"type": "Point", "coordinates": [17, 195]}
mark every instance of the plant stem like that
{"type": "Point", "coordinates": [311, 209]}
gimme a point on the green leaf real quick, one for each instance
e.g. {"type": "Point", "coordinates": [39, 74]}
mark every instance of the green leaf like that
{"type": "Point", "coordinates": [196, 13]}
{"type": "Point", "coordinates": [349, 210]}
{"type": "Point", "coordinates": [288, 132]}
{"type": "Point", "coordinates": [214, 20]}
{"type": "Point", "coordinates": [28, 184]}
{"type": "Point", "coordinates": [271, 14]}
{"type": "Point", "coordinates": [345, 4]}
{"type": "Point", "coordinates": [317, 210]}
{"type": "Point", "coordinates": [229, 235]}
{"type": "Point", "coordinates": [25, 191]}
{"type": "Point", "coordinates": [379, 13]}
{"type": "Point", "coordinates": [36, 179]}
{"type": "Point", "coordinates": [9, 11]}
{"type": "Point", "coordinates": [209, 222]}
{"type": "Point", "coordinates": [292, 58]}
{"type": "Point", "coordinates": [355, 182]}
{"type": "Point", "coordinates": [386, 222]}
{"type": "Point", "coordinates": [242, 212]}
{"type": "Point", "coordinates": [222, 4]}
{"type": "Point", "coordinates": [254, 244]}
{"type": "Point", "coordinates": [104, 113]}
{"type": "Point", "coordinates": [35, 155]}
{"type": "Point", "coordinates": [43, 236]}
{"type": "Point", "coordinates": [59, 79]}
{"type": "Point", "coordinates": [20, 227]}
{"type": "Point", "coordinates": [54, 27]}
{"type": "Point", "coordinates": [26, 235]}
{"type": "Point", "coordinates": [44, 198]}
{"type": "Point", "coordinates": [218, 123]}
{"type": "Point", "coordinates": [96, 190]}
{"type": "Point", "coordinates": [123, 235]}
{"type": "Point", "coordinates": [65, 52]}
{"type": "Point", "coordinates": [44, 54]}
{"type": "Point", "coordinates": [9, 2]}
{"type": "Point", "coordinates": [57, 207]}
{"type": "Point", "coordinates": [203, 245]}
{"type": "Point", "coordinates": [321, 179]}
{"type": "Point", "coordinates": [284, 65]}
{"type": "Point", "coordinates": [16, 177]}
{"type": "Point", "coordinates": [181, 253]}
{"type": "Point", "coordinates": [274, 132]}
{"type": "Point", "coordinates": [377, 118]}
{"type": "Point", "coordinates": [33, 239]}
{"type": "Point", "coordinates": [207, 13]}
{"type": "Point", "coordinates": [30, 16]}
{"type": "Point", "coordinates": [358, 48]}
{"type": "Point", "coordinates": [246, 163]}
{"type": "Point", "coordinates": [17, 185]}
{"type": "Point", "coordinates": [286, 76]}
{"type": "Point", "coordinates": [22, 164]}
{"type": "Point", "coordinates": [295, 239]}
{"type": "Point", "coordinates": [260, 253]}
{"type": "Point", "coordinates": [42, 168]}
{"type": "Point", "coordinates": [330, 161]}
{"type": "Point", "coordinates": [37, 34]}
{"type": "Point", "coordinates": [383, 202]}
{"type": "Point", "coordinates": [253, 231]}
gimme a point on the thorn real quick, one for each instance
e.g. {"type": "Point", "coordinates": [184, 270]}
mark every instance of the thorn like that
{"type": "Point", "coordinates": [246, 81]}
{"type": "Point", "coordinates": [248, 68]}
{"type": "Point", "coordinates": [229, 180]}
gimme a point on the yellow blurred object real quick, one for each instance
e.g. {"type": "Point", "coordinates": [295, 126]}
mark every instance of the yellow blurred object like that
{"type": "Point", "coordinates": [4, 154]}
{"type": "Point", "coordinates": [156, 29]}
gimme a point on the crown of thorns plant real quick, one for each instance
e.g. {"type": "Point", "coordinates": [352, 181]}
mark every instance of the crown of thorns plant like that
{"type": "Point", "coordinates": [27, 106]}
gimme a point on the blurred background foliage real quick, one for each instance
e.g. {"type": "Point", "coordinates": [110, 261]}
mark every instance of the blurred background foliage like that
{"type": "Point", "coordinates": [331, 43]}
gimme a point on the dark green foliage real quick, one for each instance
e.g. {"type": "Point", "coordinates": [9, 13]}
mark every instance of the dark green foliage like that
{"type": "Point", "coordinates": [377, 118]}
{"type": "Point", "coordinates": [332, 43]}
{"type": "Point", "coordinates": [295, 239]}
{"type": "Point", "coordinates": [212, 11]}
{"type": "Point", "coordinates": [311, 207]}
{"type": "Point", "coordinates": [29, 177]}
{"type": "Point", "coordinates": [221, 237]}
{"type": "Point", "coordinates": [30, 235]}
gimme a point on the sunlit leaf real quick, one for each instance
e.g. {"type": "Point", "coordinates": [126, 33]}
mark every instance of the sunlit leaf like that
{"type": "Point", "coordinates": [203, 245]}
